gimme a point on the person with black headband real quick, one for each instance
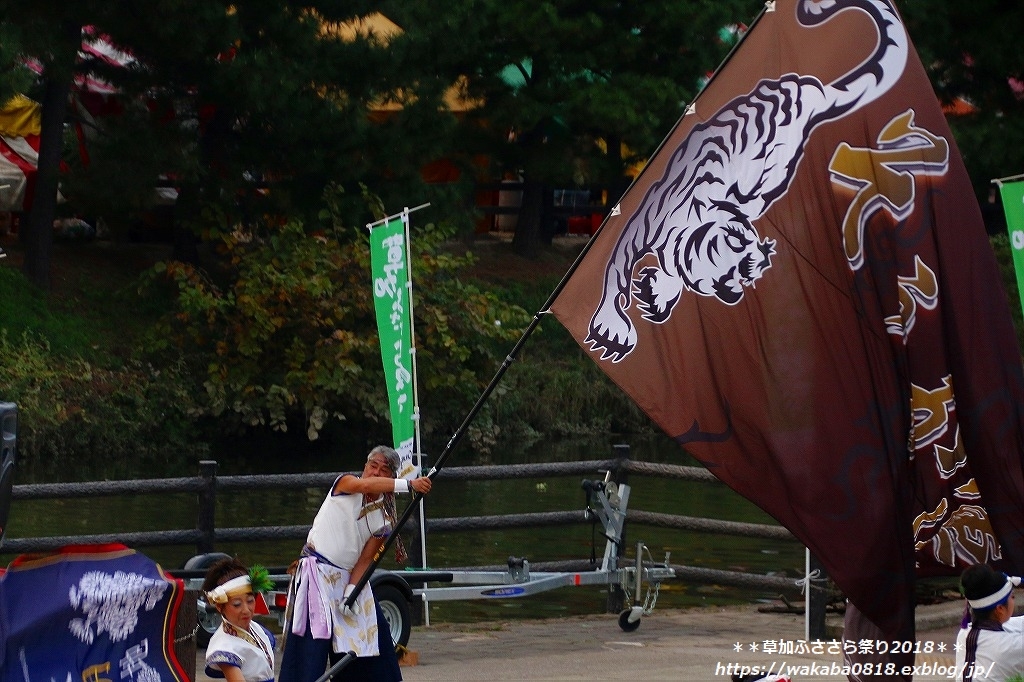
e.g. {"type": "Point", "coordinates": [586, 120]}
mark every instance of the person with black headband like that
{"type": "Point", "coordinates": [990, 646]}
{"type": "Point", "coordinates": [352, 525]}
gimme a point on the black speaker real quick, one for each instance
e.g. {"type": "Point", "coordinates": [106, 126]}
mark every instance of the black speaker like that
{"type": "Point", "coordinates": [8, 449]}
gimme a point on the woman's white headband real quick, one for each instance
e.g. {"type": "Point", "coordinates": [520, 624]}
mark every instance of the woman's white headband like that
{"type": "Point", "coordinates": [999, 595]}
{"type": "Point", "coordinates": [234, 587]}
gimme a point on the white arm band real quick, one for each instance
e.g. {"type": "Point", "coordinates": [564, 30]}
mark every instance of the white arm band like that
{"type": "Point", "coordinates": [401, 485]}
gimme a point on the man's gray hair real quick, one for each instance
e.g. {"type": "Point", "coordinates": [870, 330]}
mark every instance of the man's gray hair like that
{"type": "Point", "coordinates": [391, 455]}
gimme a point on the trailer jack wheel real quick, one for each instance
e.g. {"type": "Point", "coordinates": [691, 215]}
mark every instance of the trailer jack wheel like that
{"type": "Point", "coordinates": [207, 616]}
{"type": "Point", "coordinates": [629, 622]}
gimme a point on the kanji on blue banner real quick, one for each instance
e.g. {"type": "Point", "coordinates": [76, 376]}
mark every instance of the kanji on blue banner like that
{"type": "Point", "coordinates": [88, 614]}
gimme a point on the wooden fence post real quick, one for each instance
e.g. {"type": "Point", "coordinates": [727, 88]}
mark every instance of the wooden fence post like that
{"type": "Point", "coordinates": [207, 506]}
{"type": "Point", "coordinates": [817, 599]}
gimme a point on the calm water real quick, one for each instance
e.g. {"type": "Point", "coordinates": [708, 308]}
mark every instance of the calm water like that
{"type": "Point", "coordinates": [164, 512]}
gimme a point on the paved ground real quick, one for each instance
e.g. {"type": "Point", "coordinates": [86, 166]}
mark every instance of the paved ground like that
{"type": "Point", "coordinates": [695, 645]}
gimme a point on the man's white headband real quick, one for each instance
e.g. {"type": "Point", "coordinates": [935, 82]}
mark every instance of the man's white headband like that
{"type": "Point", "coordinates": [232, 588]}
{"type": "Point", "coordinates": [999, 595]}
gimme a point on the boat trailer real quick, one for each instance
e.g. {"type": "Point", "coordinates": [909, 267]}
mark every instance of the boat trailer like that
{"type": "Point", "coordinates": [606, 503]}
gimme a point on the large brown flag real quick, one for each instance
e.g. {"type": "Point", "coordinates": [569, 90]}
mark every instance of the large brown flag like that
{"type": "Point", "coordinates": [799, 289]}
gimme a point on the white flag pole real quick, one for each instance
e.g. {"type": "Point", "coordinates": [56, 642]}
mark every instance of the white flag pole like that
{"type": "Point", "coordinates": [807, 595]}
{"type": "Point", "coordinates": [417, 454]}
{"type": "Point", "coordinates": [388, 219]}
{"type": "Point", "coordinates": [1010, 178]}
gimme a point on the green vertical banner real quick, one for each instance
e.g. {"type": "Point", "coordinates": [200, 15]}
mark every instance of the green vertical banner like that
{"type": "Point", "coordinates": [390, 271]}
{"type": "Point", "coordinates": [1013, 205]}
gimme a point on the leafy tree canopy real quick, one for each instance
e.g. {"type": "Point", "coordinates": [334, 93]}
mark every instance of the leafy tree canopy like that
{"type": "Point", "coordinates": [557, 87]}
{"type": "Point", "coordinates": [973, 51]}
{"type": "Point", "coordinates": [225, 100]}
{"type": "Point", "coordinates": [286, 326]}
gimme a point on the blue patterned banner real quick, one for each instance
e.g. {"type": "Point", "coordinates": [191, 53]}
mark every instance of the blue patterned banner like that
{"type": "Point", "coordinates": [88, 614]}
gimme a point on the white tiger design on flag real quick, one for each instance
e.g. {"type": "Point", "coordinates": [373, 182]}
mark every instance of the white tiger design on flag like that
{"type": "Point", "coordinates": [697, 221]}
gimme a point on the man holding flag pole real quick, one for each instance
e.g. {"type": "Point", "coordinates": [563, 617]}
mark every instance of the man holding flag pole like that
{"type": "Point", "coordinates": [331, 618]}
{"type": "Point", "coordinates": [322, 623]}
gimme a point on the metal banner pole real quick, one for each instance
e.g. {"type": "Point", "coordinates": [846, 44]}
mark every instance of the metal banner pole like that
{"type": "Point", "coordinates": [417, 454]}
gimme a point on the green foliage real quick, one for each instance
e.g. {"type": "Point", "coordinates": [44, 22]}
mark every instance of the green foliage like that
{"type": "Point", "coordinates": [464, 333]}
{"type": "Point", "coordinates": [87, 319]}
{"type": "Point", "coordinates": [24, 308]}
{"type": "Point", "coordinates": [80, 395]}
{"type": "Point", "coordinates": [554, 77]}
{"type": "Point", "coordinates": [992, 145]}
{"type": "Point", "coordinates": [272, 335]}
{"type": "Point", "coordinates": [280, 331]}
{"type": "Point", "coordinates": [69, 409]}
{"type": "Point", "coordinates": [284, 329]}
{"type": "Point", "coordinates": [973, 52]}
{"type": "Point", "coordinates": [12, 80]}
{"type": "Point", "coordinates": [125, 162]}
{"type": "Point", "coordinates": [558, 93]}
{"type": "Point", "coordinates": [546, 396]}
{"type": "Point", "coordinates": [227, 99]}
{"type": "Point", "coordinates": [554, 389]}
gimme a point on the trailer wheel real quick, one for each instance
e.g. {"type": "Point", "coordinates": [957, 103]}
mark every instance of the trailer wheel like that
{"type": "Point", "coordinates": [396, 612]}
{"type": "Point", "coordinates": [624, 621]}
{"type": "Point", "coordinates": [208, 621]}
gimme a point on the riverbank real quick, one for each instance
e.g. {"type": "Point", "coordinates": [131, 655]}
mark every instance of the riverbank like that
{"type": "Point", "coordinates": [689, 645]}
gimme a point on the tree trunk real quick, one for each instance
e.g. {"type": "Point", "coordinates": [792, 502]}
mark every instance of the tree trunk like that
{"type": "Point", "coordinates": [214, 151]}
{"type": "Point", "coordinates": [38, 237]}
{"type": "Point", "coordinates": [534, 226]}
{"type": "Point", "coordinates": [186, 243]}
{"type": "Point", "coordinates": [618, 182]}
{"type": "Point", "coordinates": [526, 240]}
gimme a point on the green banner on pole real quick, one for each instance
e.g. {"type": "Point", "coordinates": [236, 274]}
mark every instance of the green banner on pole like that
{"type": "Point", "coordinates": [391, 278]}
{"type": "Point", "coordinates": [1013, 205]}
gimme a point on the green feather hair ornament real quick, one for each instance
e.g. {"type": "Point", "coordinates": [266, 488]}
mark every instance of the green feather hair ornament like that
{"type": "Point", "coordinates": [260, 579]}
